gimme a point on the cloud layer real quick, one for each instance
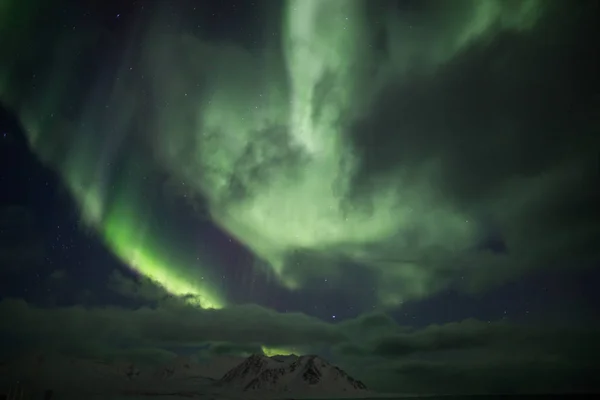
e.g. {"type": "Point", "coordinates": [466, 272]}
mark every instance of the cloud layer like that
{"type": "Point", "coordinates": [468, 356]}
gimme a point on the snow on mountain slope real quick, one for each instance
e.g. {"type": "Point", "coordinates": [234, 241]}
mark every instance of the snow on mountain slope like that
{"type": "Point", "coordinates": [298, 375]}
{"type": "Point", "coordinates": [240, 376]}
{"type": "Point", "coordinates": [258, 374]}
{"type": "Point", "coordinates": [285, 358]}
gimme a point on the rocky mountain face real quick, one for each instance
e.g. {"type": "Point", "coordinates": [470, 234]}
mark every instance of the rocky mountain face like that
{"type": "Point", "coordinates": [279, 376]}
{"type": "Point", "coordinates": [290, 374]}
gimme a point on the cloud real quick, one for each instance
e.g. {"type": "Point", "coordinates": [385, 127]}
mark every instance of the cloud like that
{"type": "Point", "coordinates": [140, 288]}
{"type": "Point", "coordinates": [139, 355]}
{"type": "Point", "coordinates": [372, 347]}
{"type": "Point", "coordinates": [504, 131]}
{"type": "Point", "coordinates": [400, 342]}
{"type": "Point", "coordinates": [453, 172]}
{"type": "Point", "coordinates": [474, 335]}
{"type": "Point", "coordinates": [234, 349]}
{"type": "Point", "coordinates": [478, 357]}
{"type": "Point", "coordinates": [449, 337]}
{"type": "Point", "coordinates": [77, 328]}
{"type": "Point", "coordinates": [146, 290]}
{"type": "Point", "coordinates": [489, 376]}
{"type": "Point", "coordinates": [460, 154]}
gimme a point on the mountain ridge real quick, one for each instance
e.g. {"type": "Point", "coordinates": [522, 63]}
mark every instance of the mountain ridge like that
{"type": "Point", "coordinates": [309, 373]}
{"type": "Point", "coordinates": [275, 376]}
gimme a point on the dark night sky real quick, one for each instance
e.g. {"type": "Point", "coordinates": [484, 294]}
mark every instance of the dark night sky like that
{"type": "Point", "coordinates": [434, 222]}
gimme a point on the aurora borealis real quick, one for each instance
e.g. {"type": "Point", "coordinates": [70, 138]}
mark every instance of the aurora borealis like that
{"type": "Point", "coordinates": [261, 151]}
{"type": "Point", "coordinates": [343, 149]}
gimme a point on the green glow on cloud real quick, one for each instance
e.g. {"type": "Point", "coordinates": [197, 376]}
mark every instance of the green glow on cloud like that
{"type": "Point", "coordinates": [123, 222]}
{"type": "Point", "coordinates": [276, 351]}
{"type": "Point", "coordinates": [266, 144]}
{"type": "Point", "coordinates": [302, 202]}
{"type": "Point", "coordinates": [128, 241]}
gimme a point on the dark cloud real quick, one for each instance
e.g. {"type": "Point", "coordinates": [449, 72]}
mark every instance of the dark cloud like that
{"type": "Point", "coordinates": [467, 334]}
{"type": "Point", "coordinates": [144, 290]}
{"type": "Point", "coordinates": [474, 335]}
{"type": "Point", "coordinates": [235, 349]}
{"type": "Point", "coordinates": [507, 129]}
{"type": "Point", "coordinates": [496, 356]}
{"type": "Point", "coordinates": [373, 324]}
{"type": "Point", "coordinates": [141, 355]}
{"type": "Point", "coordinates": [139, 288]}
{"type": "Point", "coordinates": [81, 327]}
{"type": "Point", "coordinates": [480, 357]}
{"type": "Point", "coordinates": [541, 375]}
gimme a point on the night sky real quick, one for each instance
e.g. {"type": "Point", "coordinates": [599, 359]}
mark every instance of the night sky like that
{"type": "Point", "coordinates": [408, 188]}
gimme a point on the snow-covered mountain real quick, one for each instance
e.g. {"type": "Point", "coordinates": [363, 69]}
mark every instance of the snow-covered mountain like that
{"type": "Point", "coordinates": [302, 375]}
{"type": "Point", "coordinates": [306, 376]}
{"type": "Point", "coordinates": [241, 376]}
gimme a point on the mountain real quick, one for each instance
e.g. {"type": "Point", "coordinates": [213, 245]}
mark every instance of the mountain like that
{"type": "Point", "coordinates": [241, 376]}
{"type": "Point", "coordinates": [305, 376]}
{"type": "Point", "coordinates": [299, 375]}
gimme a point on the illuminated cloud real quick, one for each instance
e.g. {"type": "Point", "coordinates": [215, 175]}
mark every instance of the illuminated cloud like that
{"type": "Point", "coordinates": [317, 152]}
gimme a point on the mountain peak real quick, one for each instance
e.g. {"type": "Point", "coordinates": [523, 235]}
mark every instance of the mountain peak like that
{"type": "Point", "coordinates": [308, 373]}
{"type": "Point", "coordinates": [246, 371]}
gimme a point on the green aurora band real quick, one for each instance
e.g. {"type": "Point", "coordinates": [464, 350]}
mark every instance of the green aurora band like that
{"type": "Point", "coordinates": [265, 145]}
